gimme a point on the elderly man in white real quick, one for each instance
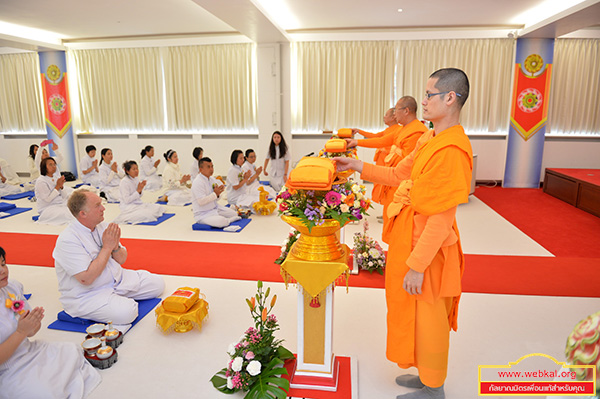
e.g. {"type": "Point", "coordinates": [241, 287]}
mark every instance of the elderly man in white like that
{"type": "Point", "coordinates": [88, 258]}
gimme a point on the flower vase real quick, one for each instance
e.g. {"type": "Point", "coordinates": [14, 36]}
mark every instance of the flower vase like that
{"type": "Point", "coordinates": [320, 244]}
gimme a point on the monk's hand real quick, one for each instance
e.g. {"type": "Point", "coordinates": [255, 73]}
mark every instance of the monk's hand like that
{"type": "Point", "coordinates": [110, 237]}
{"type": "Point", "coordinates": [30, 322]}
{"type": "Point", "coordinates": [355, 131]}
{"type": "Point", "coordinates": [413, 281]}
{"type": "Point", "coordinates": [343, 163]}
{"type": "Point", "coordinates": [351, 143]}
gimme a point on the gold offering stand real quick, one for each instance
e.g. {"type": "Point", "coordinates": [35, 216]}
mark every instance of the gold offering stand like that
{"type": "Point", "coordinates": [316, 262]}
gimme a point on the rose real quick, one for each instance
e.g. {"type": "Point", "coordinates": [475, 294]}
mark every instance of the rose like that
{"type": "Point", "coordinates": [250, 355]}
{"type": "Point", "coordinates": [253, 368]}
{"type": "Point", "coordinates": [344, 208]}
{"type": "Point", "coordinates": [237, 364]}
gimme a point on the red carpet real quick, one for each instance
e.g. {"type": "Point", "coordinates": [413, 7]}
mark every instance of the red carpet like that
{"type": "Point", "coordinates": [557, 226]}
{"type": "Point", "coordinates": [568, 276]}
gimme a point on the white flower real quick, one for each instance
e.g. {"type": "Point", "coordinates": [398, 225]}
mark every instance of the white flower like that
{"type": "Point", "coordinates": [237, 363]}
{"type": "Point", "coordinates": [374, 253]}
{"type": "Point", "coordinates": [229, 383]}
{"type": "Point", "coordinates": [355, 188]}
{"type": "Point", "coordinates": [344, 208]}
{"type": "Point", "coordinates": [231, 349]}
{"type": "Point", "coordinates": [322, 210]}
{"type": "Point", "coordinates": [357, 204]}
{"type": "Point", "coordinates": [364, 254]}
{"type": "Point", "coordinates": [253, 368]}
{"type": "Point", "coordinates": [370, 263]}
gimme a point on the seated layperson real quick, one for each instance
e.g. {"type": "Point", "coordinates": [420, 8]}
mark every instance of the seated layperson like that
{"type": "Point", "coordinates": [110, 176]}
{"type": "Point", "coordinates": [28, 368]}
{"type": "Point", "coordinates": [177, 192]}
{"type": "Point", "coordinates": [88, 259]}
{"type": "Point", "coordinates": [253, 182]}
{"type": "Point", "coordinates": [237, 190]}
{"type": "Point", "coordinates": [148, 169]}
{"type": "Point", "coordinates": [34, 171]}
{"type": "Point", "coordinates": [197, 153]}
{"type": "Point", "coordinates": [205, 194]}
{"type": "Point", "coordinates": [51, 195]}
{"type": "Point", "coordinates": [42, 153]}
{"type": "Point", "coordinates": [133, 209]}
{"type": "Point", "coordinates": [9, 181]}
{"type": "Point", "coordinates": [89, 167]}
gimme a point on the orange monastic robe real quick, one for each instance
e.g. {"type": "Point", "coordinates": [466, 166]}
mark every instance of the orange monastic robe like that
{"type": "Point", "coordinates": [432, 180]}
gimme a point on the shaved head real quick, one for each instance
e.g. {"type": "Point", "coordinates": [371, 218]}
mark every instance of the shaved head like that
{"type": "Point", "coordinates": [452, 79]}
{"type": "Point", "coordinates": [410, 103]}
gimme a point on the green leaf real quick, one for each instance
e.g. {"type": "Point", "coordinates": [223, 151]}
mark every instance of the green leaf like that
{"type": "Point", "coordinates": [269, 384]}
{"type": "Point", "coordinates": [284, 354]}
{"type": "Point", "coordinates": [219, 381]}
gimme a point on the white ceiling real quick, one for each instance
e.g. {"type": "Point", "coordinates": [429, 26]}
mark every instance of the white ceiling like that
{"type": "Point", "coordinates": [85, 21]}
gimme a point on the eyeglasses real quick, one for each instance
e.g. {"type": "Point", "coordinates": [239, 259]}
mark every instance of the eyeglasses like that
{"type": "Point", "coordinates": [429, 95]}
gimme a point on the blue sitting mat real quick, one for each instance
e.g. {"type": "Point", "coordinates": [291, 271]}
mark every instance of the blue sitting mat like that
{"type": "Point", "coordinates": [264, 182]}
{"type": "Point", "coordinates": [165, 203]}
{"type": "Point", "coordinates": [68, 323]}
{"type": "Point", "coordinates": [5, 206]}
{"type": "Point", "coordinates": [82, 184]}
{"type": "Point", "coordinates": [35, 218]}
{"type": "Point", "coordinates": [27, 296]}
{"type": "Point", "coordinates": [161, 219]}
{"type": "Point", "coordinates": [204, 227]}
{"type": "Point", "coordinates": [24, 194]}
{"type": "Point", "coordinates": [14, 211]}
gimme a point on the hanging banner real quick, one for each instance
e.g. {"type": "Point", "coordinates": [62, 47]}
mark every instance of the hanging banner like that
{"type": "Point", "coordinates": [57, 109]}
{"type": "Point", "coordinates": [529, 112]}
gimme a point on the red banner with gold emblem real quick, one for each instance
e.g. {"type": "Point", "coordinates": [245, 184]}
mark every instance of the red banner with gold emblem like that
{"type": "Point", "coordinates": [56, 103]}
{"type": "Point", "coordinates": [529, 111]}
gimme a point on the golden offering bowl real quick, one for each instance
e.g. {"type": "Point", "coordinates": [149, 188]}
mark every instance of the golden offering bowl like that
{"type": "Point", "coordinates": [345, 174]}
{"type": "Point", "coordinates": [183, 326]}
{"type": "Point", "coordinates": [320, 244]}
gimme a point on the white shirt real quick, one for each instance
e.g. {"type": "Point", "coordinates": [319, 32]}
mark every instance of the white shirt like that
{"type": "Point", "coordinates": [46, 193]}
{"type": "Point", "coordinates": [204, 199]}
{"type": "Point", "coordinates": [76, 247]}
{"type": "Point", "coordinates": [147, 167]}
{"type": "Point", "coordinates": [9, 173]}
{"type": "Point", "coordinates": [108, 178]}
{"type": "Point", "coordinates": [129, 194]}
{"type": "Point", "coordinates": [277, 165]}
{"type": "Point", "coordinates": [194, 169]}
{"type": "Point", "coordinates": [34, 171]}
{"type": "Point", "coordinates": [252, 187]}
{"type": "Point", "coordinates": [86, 163]}
{"type": "Point", "coordinates": [172, 177]}
{"type": "Point", "coordinates": [58, 158]}
{"type": "Point", "coordinates": [234, 177]}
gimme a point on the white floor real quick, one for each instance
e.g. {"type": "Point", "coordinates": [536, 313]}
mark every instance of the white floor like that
{"type": "Point", "coordinates": [493, 329]}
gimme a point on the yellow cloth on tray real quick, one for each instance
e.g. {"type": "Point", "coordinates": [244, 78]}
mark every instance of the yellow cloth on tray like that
{"type": "Point", "coordinates": [345, 133]}
{"type": "Point", "coordinates": [181, 300]}
{"type": "Point", "coordinates": [335, 145]}
{"type": "Point", "coordinates": [312, 173]}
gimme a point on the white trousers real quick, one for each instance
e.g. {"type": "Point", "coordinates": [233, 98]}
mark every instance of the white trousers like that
{"type": "Point", "coordinates": [221, 217]}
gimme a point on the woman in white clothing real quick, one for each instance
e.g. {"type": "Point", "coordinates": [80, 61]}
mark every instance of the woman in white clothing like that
{"type": "Point", "coordinates": [51, 195]}
{"type": "Point", "coordinates": [42, 153]}
{"type": "Point", "coordinates": [133, 209]}
{"type": "Point", "coordinates": [34, 171]}
{"type": "Point", "coordinates": [36, 369]}
{"type": "Point", "coordinates": [148, 169]}
{"type": "Point", "coordinates": [9, 181]}
{"type": "Point", "coordinates": [89, 167]}
{"type": "Point", "coordinates": [198, 153]}
{"type": "Point", "coordinates": [254, 183]}
{"type": "Point", "coordinates": [177, 191]}
{"type": "Point", "coordinates": [280, 161]}
{"type": "Point", "coordinates": [110, 176]}
{"type": "Point", "coordinates": [237, 190]}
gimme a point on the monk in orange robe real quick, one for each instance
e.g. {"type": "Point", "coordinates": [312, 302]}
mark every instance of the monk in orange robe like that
{"type": "Point", "coordinates": [400, 143]}
{"type": "Point", "coordinates": [425, 261]}
{"type": "Point", "coordinates": [382, 152]}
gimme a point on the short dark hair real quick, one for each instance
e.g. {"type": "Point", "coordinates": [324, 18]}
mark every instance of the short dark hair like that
{"type": "Point", "coordinates": [2, 253]}
{"type": "Point", "coordinates": [197, 151]}
{"type": "Point", "coordinates": [234, 156]}
{"type": "Point", "coordinates": [89, 148]}
{"type": "Point", "coordinates": [453, 79]}
{"type": "Point", "coordinates": [127, 166]}
{"type": "Point", "coordinates": [77, 201]}
{"type": "Point", "coordinates": [202, 160]}
{"type": "Point", "coordinates": [248, 152]}
{"type": "Point", "coordinates": [43, 165]}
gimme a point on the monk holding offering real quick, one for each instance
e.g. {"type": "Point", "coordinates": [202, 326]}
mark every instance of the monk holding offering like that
{"type": "Point", "coordinates": [425, 260]}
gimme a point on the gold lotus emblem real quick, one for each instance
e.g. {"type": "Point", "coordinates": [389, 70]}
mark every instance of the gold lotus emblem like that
{"type": "Point", "coordinates": [53, 73]}
{"type": "Point", "coordinates": [534, 63]}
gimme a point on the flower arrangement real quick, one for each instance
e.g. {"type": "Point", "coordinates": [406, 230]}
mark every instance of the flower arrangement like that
{"type": "Point", "coordinates": [344, 202]}
{"type": "Point", "coordinates": [14, 304]}
{"type": "Point", "coordinates": [583, 348]}
{"type": "Point", "coordinates": [287, 245]}
{"type": "Point", "coordinates": [256, 361]}
{"type": "Point", "coordinates": [367, 252]}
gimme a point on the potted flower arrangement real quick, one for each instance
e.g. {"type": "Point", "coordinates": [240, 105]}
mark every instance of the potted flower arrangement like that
{"type": "Point", "coordinates": [256, 361]}
{"type": "Point", "coordinates": [345, 202]}
{"type": "Point", "coordinates": [368, 254]}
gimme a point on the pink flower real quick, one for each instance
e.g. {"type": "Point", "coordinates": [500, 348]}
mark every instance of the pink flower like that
{"type": "Point", "coordinates": [18, 306]}
{"type": "Point", "coordinates": [283, 206]}
{"type": "Point", "coordinates": [333, 199]}
{"type": "Point", "coordinates": [250, 355]}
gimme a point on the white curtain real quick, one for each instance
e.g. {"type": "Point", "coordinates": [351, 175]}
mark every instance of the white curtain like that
{"type": "Point", "coordinates": [575, 88]}
{"type": "Point", "coordinates": [119, 89]}
{"type": "Point", "coordinates": [487, 62]}
{"type": "Point", "coordinates": [211, 87]}
{"type": "Point", "coordinates": [20, 93]}
{"type": "Point", "coordinates": [341, 84]}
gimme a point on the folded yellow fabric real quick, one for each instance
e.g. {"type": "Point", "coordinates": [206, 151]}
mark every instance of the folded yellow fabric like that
{"type": "Point", "coordinates": [345, 133]}
{"type": "Point", "coordinates": [181, 300]}
{"type": "Point", "coordinates": [335, 145]}
{"type": "Point", "coordinates": [312, 173]}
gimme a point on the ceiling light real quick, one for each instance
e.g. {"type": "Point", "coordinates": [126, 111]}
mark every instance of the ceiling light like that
{"type": "Point", "coordinates": [543, 11]}
{"type": "Point", "coordinates": [279, 13]}
{"type": "Point", "coordinates": [31, 33]}
{"type": "Point", "coordinates": [399, 10]}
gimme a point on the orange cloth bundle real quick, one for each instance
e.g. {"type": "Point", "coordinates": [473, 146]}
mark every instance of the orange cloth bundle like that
{"type": "Point", "coordinates": [181, 300]}
{"type": "Point", "coordinates": [312, 173]}
{"type": "Point", "coordinates": [335, 145]}
{"type": "Point", "coordinates": [345, 133]}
